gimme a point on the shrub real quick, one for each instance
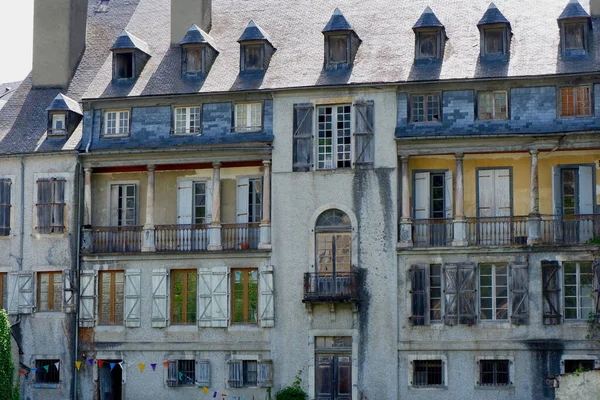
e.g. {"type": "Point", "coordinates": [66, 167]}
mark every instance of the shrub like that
{"type": "Point", "coordinates": [292, 392]}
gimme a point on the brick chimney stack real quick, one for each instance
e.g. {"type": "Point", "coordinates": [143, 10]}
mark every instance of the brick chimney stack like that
{"type": "Point", "coordinates": [59, 28]}
{"type": "Point", "coordinates": [184, 13]}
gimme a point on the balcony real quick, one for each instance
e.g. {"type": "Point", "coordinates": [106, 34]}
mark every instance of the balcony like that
{"type": "Point", "coordinates": [497, 231]}
{"type": "Point", "coordinates": [569, 229]}
{"type": "Point", "coordinates": [326, 287]}
{"type": "Point", "coordinates": [432, 232]}
{"type": "Point", "coordinates": [117, 239]}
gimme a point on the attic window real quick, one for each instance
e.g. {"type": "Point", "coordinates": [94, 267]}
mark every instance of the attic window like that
{"type": "Point", "coordinates": [253, 55]}
{"type": "Point", "coordinates": [574, 36]}
{"type": "Point", "coordinates": [192, 60]}
{"type": "Point", "coordinates": [338, 49]}
{"type": "Point", "coordinates": [494, 42]}
{"type": "Point", "coordinates": [58, 124]}
{"type": "Point", "coordinates": [123, 65]}
{"type": "Point", "coordinates": [427, 46]}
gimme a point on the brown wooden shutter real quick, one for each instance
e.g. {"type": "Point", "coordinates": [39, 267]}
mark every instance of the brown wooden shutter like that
{"type": "Point", "coordinates": [364, 134]}
{"type": "Point", "coordinates": [519, 294]}
{"type": "Point", "coordinates": [44, 198]}
{"type": "Point", "coordinates": [419, 294]}
{"type": "Point", "coordinates": [303, 137]}
{"type": "Point", "coordinates": [551, 292]}
{"type": "Point", "coordinates": [451, 294]}
{"type": "Point", "coordinates": [466, 293]}
{"type": "Point", "coordinates": [58, 206]}
{"type": "Point", "coordinates": [596, 287]}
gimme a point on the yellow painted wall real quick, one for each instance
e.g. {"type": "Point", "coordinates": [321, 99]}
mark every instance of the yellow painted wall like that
{"type": "Point", "coordinates": [165, 193]}
{"type": "Point", "coordinates": [520, 164]}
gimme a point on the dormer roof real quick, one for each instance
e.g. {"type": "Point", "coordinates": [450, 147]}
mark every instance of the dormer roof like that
{"type": "Point", "coordinates": [64, 103]}
{"type": "Point", "coordinates": [428, 20]}
{"type": "Point", "coordinates": [337, 23]}
{"type": "Point", "coordinates": [492, 16]}
{"type": "Point", "coordinates": [573, 10]}
{"type": "Point", "coordinates": [128, 41]}
{"type": "Point", "coordinates": [254, 32]}
{"type": "Point", "coordinates": [195, 35]}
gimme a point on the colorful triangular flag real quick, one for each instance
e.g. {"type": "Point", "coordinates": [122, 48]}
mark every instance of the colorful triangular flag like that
{"type": "Point", "coordinates": [205, 389]}
{"type": "Point", "coordinates": [121, 364]}
{"type": "Point", "coordinates": [78, 365]}
{"type": "Point", "coordinates": [215, 394]}
{"type": "Point", "coordinates": [165, 363]}
{"type": "Point", "coordinates": [112, 365]}
{"type": "Point", "coordinates": [91, 361]}
{"type": "Point", "coordinates": [22, 372]}
{"type": "Point", "coordinates": [57, 365]}
{"type": "Point", "coordinates": [100, 363]}
{"type": "Point", "coordinates": [141, 367]}
{"type": "Point", "coordinates": [33, 369]}
{"type": "Point", "coordinates": [181, 376]}
{"type": "Point", "coordinates": [47, 367]}
{"type": "Point", "coordinates": [153, 365]}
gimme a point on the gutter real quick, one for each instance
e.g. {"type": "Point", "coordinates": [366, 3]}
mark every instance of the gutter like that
{"type": "Point", "coordinates": [77, 274]}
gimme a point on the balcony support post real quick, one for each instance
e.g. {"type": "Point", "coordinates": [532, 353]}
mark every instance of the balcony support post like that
{"type": "Point", "coordinates": [214, 230]}
{"type": "Point", "coordinates": [405, 219]}
{"type": "Point", "coordinates": [534, 220]}
{"type": "Point", "coordinates": [87, 197]}
{"type": "Point", "coordinates": [459, 223]}
{"type": "Point", "coordinates": [265, 223]}
{"type": "Point", "coordinates": [148, 235]}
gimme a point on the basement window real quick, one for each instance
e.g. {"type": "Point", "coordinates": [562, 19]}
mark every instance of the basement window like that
{"type": "Point", "coordinates": [124, 65]}
{"type": "Point", "coordinates": [578, 365]}
{"type": "Point", "coordinates": [47, 371]}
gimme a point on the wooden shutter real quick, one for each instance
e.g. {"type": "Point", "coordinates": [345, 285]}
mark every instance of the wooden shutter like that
{"type": "Point", "coordinates": [241, 204]}
{"type": "Point", "coordinates": [451, 293]}
{"type": "Point", "coordinates": [586, 202]}
{"type": "Point", "coordinates": [87, 296]}
{"type": "Point", "coordinates": [596, 288]}
{"type": "Point", "coordinates": [26, 298]}
{"type": "Point", "coordinates": [519, 294]}
{"type": "Point", "coordinates": [265, 302]}
{"type": "Point", "coordinates": [303, 137]}
{"type": "Point", "coordinates": [421, 192]}
{"type": "Point", "coordinates": [44, 198]}
{"type": "Point", "coordinates": [204, 297]}
{"type": "Point", "coordinates": [419, 284]}
{"type": "Point", "coordinates": [448, 195]}
{"type": "Point", "coordinates": [203, 373]}
{"type": "Point", "coordinates": [551, 292]}
{"type": "Point", "coordinates": [5, 205]}
{"type": "Point", "coordinates": [364, 143]}
{"type": "Point", "coordinates": [159, 297]}
{"type": "Point", "coordinates": [172, 374]}
{"type": "Point", "coordinates": [184, 202]}
{"type": "Point", "coordinates": [265, 373]}
{"type": "Point", "coordinates": [114, 205]}
{"type": "Point", "coordinates": [235, 373]}
{"type": "Point", "coordinates": [485, 197]}
{"type": "Point", "coordinates": [502, 203]}
{"type": "Point", "coordinates": [13, 293]}
{"type": "Point", "coordinates": [69, 291]}
{"type": "Point", "coordinates": [133, 289]}
{"type": "Point", "coordinates": [58, 205]}
{"type": "Point", "coordinates": [466, 293]}
{"type": "Point", "coordinates": [220, 291]}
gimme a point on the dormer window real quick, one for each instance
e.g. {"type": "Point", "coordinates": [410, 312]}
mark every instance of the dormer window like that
{"type": "Point", "coordinates": [341, 42]}
{"type": "Point", "coordinates": [256, 49]}
{"type": "Point", "coordinates": [430, 36]}
{"type": "Point", "coordinates": [64, 114]}
{"type": "Point", "coordinates": [198, 53]}
{"type": "Point", "coordinates": [130, 55]}
{"type": "Point", "coordinates": [495, 34]}
{"type": "Point", "coordinates": [574, 23]}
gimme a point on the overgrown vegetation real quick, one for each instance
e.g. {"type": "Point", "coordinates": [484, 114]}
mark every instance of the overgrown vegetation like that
{"type": "Point", "coordinates": [292, 392]}
{"type": "Point", "coordinates": [8, 390]}
{"type": "Point", "coordinates": [594, 240]}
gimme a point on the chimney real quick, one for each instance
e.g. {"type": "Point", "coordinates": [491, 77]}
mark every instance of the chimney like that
{"type": "Point", "coordinates": [185, 13]}
{"type": "Point", "coordinates": [595, 8]}
{"type": "Point", "coordinates": [58, 41]}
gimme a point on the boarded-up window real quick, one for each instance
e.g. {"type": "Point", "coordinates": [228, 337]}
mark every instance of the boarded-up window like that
{"type": "Point", "coordinates": [112, 294]}
{"type": "Point", "coordinates": [418, 292]}
{"type": "Point", "coordinates": [303, 137]}
{"type": "Point", "coordinates": [519, 294]}
{"type": "Point", "coordinates": [5, 185]}
{"type": "Point", "coordinates": [494, 42]}
{"type": "Point", "coordinates": [551, 292]}
{"type": "Point", "coordinates": [363, 135]}
{"type": "Point", "coordinates": [50, 205]}
{"type": "Point", "coordinates": [574, 36]}
{"type": "Point", "coordinates": [50, 291]}
{"type": "Point", "coordinates": [338, 49]}
{"type": "Point", "coordinates": [460, 293]}
{"type": "Point", "coordinates": [192, 60]}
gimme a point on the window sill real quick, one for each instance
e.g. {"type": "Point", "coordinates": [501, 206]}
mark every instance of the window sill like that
{"type": "Point", "coordinates": [46, 385]}
{"type": "Point", "coordinates": [182, 328]}
{"type": "Point", "coordinates": [491, 324]}
{"type": "Point", "coordinates": [576, 116]}
{"type": "Point", "coordinates": [425, 123]}
{"type": "Point", "coordinates": [198, 133]}
{"type": "Point", "coordinates": [109, 328]}
{"type": "Point", "coordinates": [495, 387]}
{"type": "Point", "coordinates": [432, 387]}
{"type": "Point", "coordinates": [119, 136]}
{"type": "Point", "coordinates": [248, 130]}
{"type": "Point", "coordinates": [244, 328]}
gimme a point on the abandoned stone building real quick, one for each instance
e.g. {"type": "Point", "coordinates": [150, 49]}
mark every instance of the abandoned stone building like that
{"type": "Point", "coordinates": [389, 199]}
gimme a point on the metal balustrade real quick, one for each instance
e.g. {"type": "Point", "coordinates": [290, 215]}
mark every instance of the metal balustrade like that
{"type": "Point", "coordinates": [331, 287]}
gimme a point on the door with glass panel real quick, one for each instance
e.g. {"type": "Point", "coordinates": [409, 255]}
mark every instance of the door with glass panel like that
{"type": "Point", "coordinates": [333, 234]}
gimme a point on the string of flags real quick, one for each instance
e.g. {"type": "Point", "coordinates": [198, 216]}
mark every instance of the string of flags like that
{"type": "Point", "coordinates": [141, 367]}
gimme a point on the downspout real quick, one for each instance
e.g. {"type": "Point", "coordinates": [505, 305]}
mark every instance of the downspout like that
{"type": "Point", "coordinates": [77, 268]}
{"type": "Point", "coordinates": [22, 227]}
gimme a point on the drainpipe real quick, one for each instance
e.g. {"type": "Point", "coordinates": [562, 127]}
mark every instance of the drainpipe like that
{"type": "Point", "coordinates": [77, 268]}
{"type": "Point", "coordinates": [22, 227]}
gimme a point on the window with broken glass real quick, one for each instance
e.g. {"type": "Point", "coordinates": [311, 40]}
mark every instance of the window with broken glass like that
{"type": "Point", "coordinates": [425, 108]}
{"type": "Point", "coordinates": [492, 105]}
{"type": "Point", "coordinates": [334, 139]}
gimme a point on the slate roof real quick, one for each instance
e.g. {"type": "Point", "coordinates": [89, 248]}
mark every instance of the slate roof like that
{"type": "Point", "coordinates": [295, 28]}
{"type": "Point", "coordinates": [254, 32]}
{"type": "Point", "coordinates": [7, 90]}
{"type": "Point", "coordinates": [127, 41]}
{"type": "Point", "coordinates": [63, 103]}
{"type": "Point", "coordinates": [197, 35]}
{"type": "Point", "coordinates": [573, 10]}
{"type": "Point", "coordinates": [492, 16]}
{"type": "Point", "coordinates": [337, 22]}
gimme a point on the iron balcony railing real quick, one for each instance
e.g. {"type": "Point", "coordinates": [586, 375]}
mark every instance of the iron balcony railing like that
{"type": "Point", "coordinates": [331, 287]}
{"type": "Point", "coordinates": [181, 237]}
{"type": "Point", "coordinates": [432, 232]}
{"type": "Point", "coordinates": [570, 229]}
{"type": "Point", "coordinates": [242, 236]}
{"type": "Point", "coordinates": [497, 231]}
{"type": "Point", "coordinates": [117, 239]}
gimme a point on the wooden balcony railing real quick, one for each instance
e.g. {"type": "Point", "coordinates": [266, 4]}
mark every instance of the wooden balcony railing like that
{"type": "Point", "coordinates": [330, 287]}
{"type": "Point", "coordinates": [240, 236]}
{"type": "Point", "coordinates": [570, 229]}
{"type": "Point", "coordinates": [497, 231]}
{"type": "Point", "coordinates": [432, 232]}
{"type": "Point", "coordinates": [181, 237]}
{"type": "Point", "coordinates": [117, 239]}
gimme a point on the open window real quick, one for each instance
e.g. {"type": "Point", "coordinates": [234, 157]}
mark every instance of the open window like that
{"type": "Point", "coordinates": [130, 55]}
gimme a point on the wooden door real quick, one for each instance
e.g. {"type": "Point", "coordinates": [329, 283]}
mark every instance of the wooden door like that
{"type": "Point", "coordinates": [334, 377]}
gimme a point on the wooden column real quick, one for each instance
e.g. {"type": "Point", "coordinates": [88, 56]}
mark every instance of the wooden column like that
{"type": "Point", "coordinates": [265, 223]}
{"type": "Point", "coordinates": [87, 197]}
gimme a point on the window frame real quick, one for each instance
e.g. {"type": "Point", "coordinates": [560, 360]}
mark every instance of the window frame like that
{"type": "Point", "coordinates": [248, 127]}
{"type": "Point", "coordinates": [207, 212]}
{"type": "Point", "coordinates": [112, 298]}
{"type": "Point", "coordinates": [6, 208]}
{"type": "Point", "coordinates": [186, 49]}
{"type": "Point", "coordinates": [244, 56]}
{"type": "Point", "coordinates": [504, 30]}
{"type": "Point", "coordinates": [56, 116]}
{"type": "Point", "coordinates": [333, 232]}
{"type": "Point", "coordinates": [187, 130]}
{"type": "Point", "coordinates": [321, 165]}
{"type": "Point", "coordinates": [411, 359]}
{"type": "Point", "coordinates": [185, 304]}
{"type": "Point", "coordinates": [436, 44]}
{"type": "Point", "coordinates": [123, 184]}
{"type": "Point", "coordinates": [341, 37]}
{"type": "Point", "coordinates": [177, 363]}
{"type": "Point", "coordinates": [577, 357]}
{"type": "Point", "coordinates": [579, 307]}
{"type": "Point", "coordinates": [255, 200]}
{"type": "Point", "coordinates": [118, 118]}
{"type": "Point", "coordinates": [493, 105]}
{"type": "Point", "coordinates": [411, 105]}
{"type": "Point", "coordinates": [245, 296]}
{"type": "Point", "coordinates": [495, 359]}
{"type": "Point", "coordinates": [584, 27]}
{"type": "Point", "coordinates": [493, 296]}
{"type": "Point", "coordinates": [51, 306]}
{"type": "Point", "coordinates": [590, 101]}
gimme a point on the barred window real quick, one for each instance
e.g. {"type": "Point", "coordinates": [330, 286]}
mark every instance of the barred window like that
{"type": "Point", "coordinates": [428, 373]}
{"type": "Point", "coordinates": [50, 205]}
{"type": "Point", "coordinates": [47, 371]}
{"type": "Point", "coordinates": [5, 187]}
{"type": "Point", "coordinates": [182, 373]}
{"type": "Point", "coordinates": [494, 372]}
{"type": "Point", "coordinates": [50, 285]}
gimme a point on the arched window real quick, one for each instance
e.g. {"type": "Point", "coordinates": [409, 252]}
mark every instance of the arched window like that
{"type": "Point", "coordinates": [333, 237]}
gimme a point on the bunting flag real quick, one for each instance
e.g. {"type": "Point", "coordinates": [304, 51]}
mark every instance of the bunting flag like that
{"type": "Point", "coordinates": [181, 376]}
{"type": "Point", "coordinates": [57, 365]}
{"type": "Point", "coordinates": [33, 370]}
{"type": "Point", "coordinates": [141, 367]}
{"type": "Point", "coordinates": [215, 394]}
{"type": "Point", "coordinates": [165, 363]}
{"type": "Point", "coordinates": [121, 364]}
{"type": "Point", "coordinates": [91, 361]}
{"type": "Point", "coordinates": [22, 372]}
{"type": "Point", "coordinates": [112, 365]}
{"type": "Point", "coordinates": [205, 389]}
{"type": "Point", "coordinates": [78, 365]}
{"type": "Point", "coordinates": [47, 367]}
{"type": "Point", "coordinates": [100, 363]}
{"type": "Point", "coordinates": [153, 365]}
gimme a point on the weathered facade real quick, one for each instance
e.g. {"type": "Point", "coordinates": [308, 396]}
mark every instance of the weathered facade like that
{"type": "Point", "coordinates": [392, 199]}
